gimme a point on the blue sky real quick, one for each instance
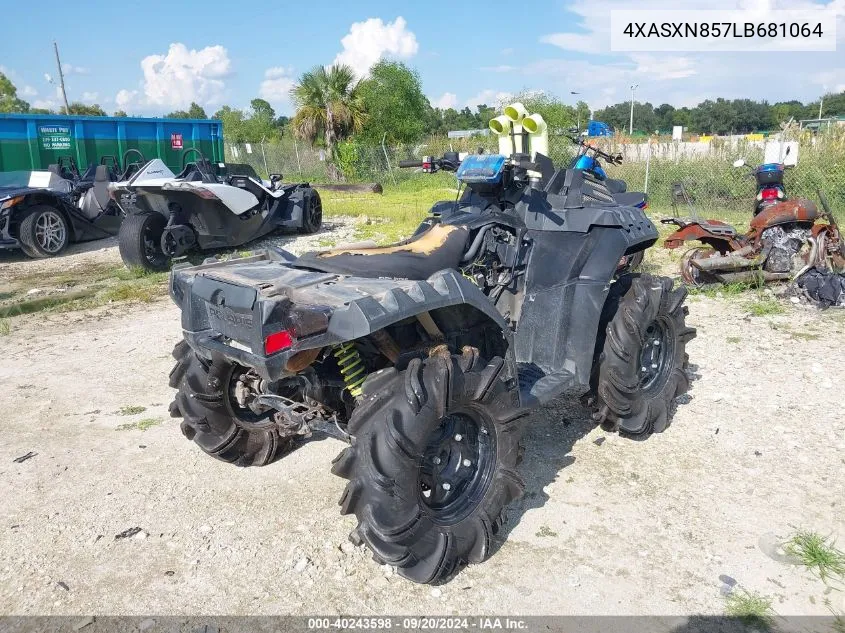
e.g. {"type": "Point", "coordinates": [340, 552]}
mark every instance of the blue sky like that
{"type": "Point", "coordinates": [153, 57]}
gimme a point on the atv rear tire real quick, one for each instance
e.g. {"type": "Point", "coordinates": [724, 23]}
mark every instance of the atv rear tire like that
{"type": "Point", "coordinates": [642, 360]}
{"type": "Point", "coordinates": [43, 232]}
{"type": "Point", "coordinates": [139, 241]}
{"type": "Point", "coordinates": [211, 416]}
{"type": "Point", "coordinates": [312, 214]}
{"type": "Point", "coordinates": [432, 465]}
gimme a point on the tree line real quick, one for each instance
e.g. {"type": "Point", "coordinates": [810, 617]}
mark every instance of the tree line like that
{"type": "Point", "coordinates": [719, 116]}
{"type": "Point", "coordinates": [334, 106]}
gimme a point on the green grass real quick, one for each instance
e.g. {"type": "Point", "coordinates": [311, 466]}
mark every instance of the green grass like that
{"type": "Point", "coordinates": [817, 553]}
{"type": "Point", "coordinates": [5, 327]}
{"type": "Point", "coordinates": [81, 289]}
{"type": "Point", "coordinates": [397, 212]}
{"type": "Point", "coordinates": [765, 307]}
{"type": "Point", "coordinates": [545, 530]}
{"type": "Point", "coordinates": [140, 425]}
{"type": "Point", "coordinates": [733, 339]}
{"type": "Point", "coordinates": [131, 409]}
{"type": "Point", "coordinates": [752, 609]}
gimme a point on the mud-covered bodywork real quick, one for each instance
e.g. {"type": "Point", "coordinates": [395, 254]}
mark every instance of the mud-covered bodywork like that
{"type": "Point", "coordinates": [557, 250]}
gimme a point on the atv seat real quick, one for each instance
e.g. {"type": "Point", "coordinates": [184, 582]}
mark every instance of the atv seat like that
{"type": "Point", "coordinates": [630, 199]}
{"type": "Point", "coordinates": [616, 186]}
{"type": "Point", "coordinates": [419, 257]}
{"type": "Point", "coordinates": [248, 184]}
{"type": "Point", "coordinates": [96, 199]}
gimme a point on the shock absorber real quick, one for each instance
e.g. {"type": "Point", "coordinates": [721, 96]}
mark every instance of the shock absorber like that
{"type": "Point", "coordinates": [351, 366]}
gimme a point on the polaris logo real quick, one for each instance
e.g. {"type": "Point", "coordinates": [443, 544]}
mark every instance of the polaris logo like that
{"type": "Point", "coordinates": [227, 315]}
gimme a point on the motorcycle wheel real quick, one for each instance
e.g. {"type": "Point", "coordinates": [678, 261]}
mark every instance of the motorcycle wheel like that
{"type": "Point", "coordinates": [691, 275]}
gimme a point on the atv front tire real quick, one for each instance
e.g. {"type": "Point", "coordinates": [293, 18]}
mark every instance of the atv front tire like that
{"type": "Point", "coordinates": [212, 417]}
{"type": "Point", "coordinates": [432, 465]}
{"type": "Point", "coordinates": [642, 360]}
{"type": "Point", "coordinates": [139, 241]}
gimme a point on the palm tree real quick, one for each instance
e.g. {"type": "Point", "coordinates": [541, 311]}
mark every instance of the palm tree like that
{"type": "Point", "coordinates": [328, 104]}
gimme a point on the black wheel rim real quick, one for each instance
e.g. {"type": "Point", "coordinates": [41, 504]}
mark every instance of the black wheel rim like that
{"type": "Point", "coordinates": [656, 355]}
{"type": "Point", "coordinates": [316, 213]}
{"type": "Point", "coordinates": [152, 245]}
{"type": "Point", "coordinates": [457, 467]}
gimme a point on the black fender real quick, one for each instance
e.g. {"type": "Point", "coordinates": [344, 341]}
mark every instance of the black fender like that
{"type": "Point", "coordinates": [337, 308]}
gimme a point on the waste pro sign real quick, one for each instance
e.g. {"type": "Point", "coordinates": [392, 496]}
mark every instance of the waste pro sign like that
{"type": "Point", "coordinates": [176, 141]}
{"type": "Point", "coordinates": [54, 137]}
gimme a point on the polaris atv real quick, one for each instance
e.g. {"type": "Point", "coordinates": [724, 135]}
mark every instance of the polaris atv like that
{"type": "Point", "coordinates": [427, 355]}
{"type": "Point", "coordinates": [205, 207]}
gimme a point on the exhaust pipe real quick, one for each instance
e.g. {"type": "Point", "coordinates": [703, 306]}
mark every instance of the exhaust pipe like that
{"type": "Point", "coordinates": [538, 135]}
{"type": "Point", "coordinates": [501, 127]}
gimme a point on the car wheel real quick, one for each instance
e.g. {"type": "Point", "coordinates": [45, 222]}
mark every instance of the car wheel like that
{"type": "Point", "coordinates": [312, 215]}
{"type": "Point", "coordinates": [44, 232]}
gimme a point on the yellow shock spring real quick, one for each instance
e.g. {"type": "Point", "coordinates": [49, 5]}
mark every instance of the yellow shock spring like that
{"type": "Point", "coordinates": [351, 366]}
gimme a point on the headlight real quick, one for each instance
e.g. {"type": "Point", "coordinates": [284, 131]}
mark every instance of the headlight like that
{"type": "Point", "coordinates": [11, 202]}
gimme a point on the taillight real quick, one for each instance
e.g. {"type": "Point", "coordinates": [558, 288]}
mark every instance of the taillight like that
{"type": "Point", "coordinates": [277, 342]}
{"type": "Point", "coordinates": [426, 164]}
{"type": "Point", "coordinates": [207, 194]}
{"type": "Point", "coordinates": [770, 194]}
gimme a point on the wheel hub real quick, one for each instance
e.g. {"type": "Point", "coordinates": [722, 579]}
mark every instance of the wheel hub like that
{"type": "Point", "coordinates": [50, 231]}
{"type": "Point", "coordinates": [456, 466]}
{"type": "Point", "coordinates": [655, 356]}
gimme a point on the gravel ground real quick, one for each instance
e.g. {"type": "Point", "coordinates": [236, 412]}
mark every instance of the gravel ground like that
{"type": "Point", "coordinates": [607, 526]}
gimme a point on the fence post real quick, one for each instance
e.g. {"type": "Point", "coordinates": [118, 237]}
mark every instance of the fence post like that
{"type": "Point", "coordinates": [264, 154]}
{"type": "Point", "coordinates": [647, 164]}
{"type": "Point", "coordinates": [387, 160]}
{"type": "Point", "coordinates": [298, 164]}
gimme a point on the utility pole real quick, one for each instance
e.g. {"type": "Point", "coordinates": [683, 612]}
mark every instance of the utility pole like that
{"type": "Point", "coordinates": [577, 112]}
{"type": "Point", "coordinates": [631, 124]}
{"type": "Point", "coordinates": [821, 103]}
{"type": "Point", "coordinates": [61, 77]}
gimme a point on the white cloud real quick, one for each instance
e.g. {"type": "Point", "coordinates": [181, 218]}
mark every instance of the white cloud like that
{"type": "Point", "coordinates": [369, 41]}
{"type": "Point", "coordinates": [445, 101]}
{"type": "Point", "coordinates": [51, 102]}
{"type": "Point", "coordinates": [126, 99]}
{"type": "Point", "coordinates": [831, 80]}
{"type": "Point", "coordinates": [663, 67]}
{"type": "Point", "coordinates": [489, 97]}
{"type": "Point", "coordinates": [70, 69]}
{"type": "Point", "coordinates": [90, 97]}
{"type": "Point", "coordinates": [28, 91]}
{"type": "Point", "coordinates": [276, 85]}
{"type": "Point", "coordinates": [181, 76]}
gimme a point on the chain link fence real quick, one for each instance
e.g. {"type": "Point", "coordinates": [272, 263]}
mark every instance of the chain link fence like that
{"type": "Point", "coordinates": [705, 169]}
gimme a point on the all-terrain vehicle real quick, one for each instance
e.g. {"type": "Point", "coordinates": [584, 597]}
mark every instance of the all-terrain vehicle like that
{"type": "Point", "coordinates": [427, 355]}
{"type": "Point", "coordinates": [206, 206]}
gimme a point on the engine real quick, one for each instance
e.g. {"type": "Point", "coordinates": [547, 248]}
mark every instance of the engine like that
{"type": "Point", "coordinates": [786, 242]}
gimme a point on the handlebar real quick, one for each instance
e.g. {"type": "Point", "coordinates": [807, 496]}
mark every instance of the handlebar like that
{"type": "Point", "coordinates": [430, 165]}
{"type": "Point", "coordinates": [612, 159]}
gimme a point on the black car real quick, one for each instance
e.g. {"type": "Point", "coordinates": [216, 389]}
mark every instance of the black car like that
{"type": "Point", "coordinates": [41, 212]}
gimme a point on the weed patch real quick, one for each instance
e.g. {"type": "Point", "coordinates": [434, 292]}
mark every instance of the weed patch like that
{"type": "Point", "coordinates": [131, 410]}
{"type": "Point", "coordinates": [817, 553]}
{"type": "Point", "coordinates": [752, 609]}
{"type": "Point", "coordinates": [140, 425]}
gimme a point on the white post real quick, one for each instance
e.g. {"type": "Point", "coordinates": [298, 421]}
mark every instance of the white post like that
{"type": "Point", "coordinates": [264, 154]}
{"type": "Point", "coordinates": [298, 164]}
{"type": "Point", "coordinates": [384, 149]}
{"type": "Point", "coordinates": [631, 124]}
{"type": "Point", "coordinates": [647, 164]}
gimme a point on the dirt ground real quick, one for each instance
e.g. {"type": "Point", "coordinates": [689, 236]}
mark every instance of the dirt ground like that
{"type": "Point", "coordinates": [607, 525]}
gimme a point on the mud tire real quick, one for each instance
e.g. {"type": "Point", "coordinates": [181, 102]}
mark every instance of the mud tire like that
{"type": "Point", "coordinates": [625, 401]}
{"type": "Point", "coordinates": [212, 420]}
{"type": "Point", "coordinates": [392, 433]}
